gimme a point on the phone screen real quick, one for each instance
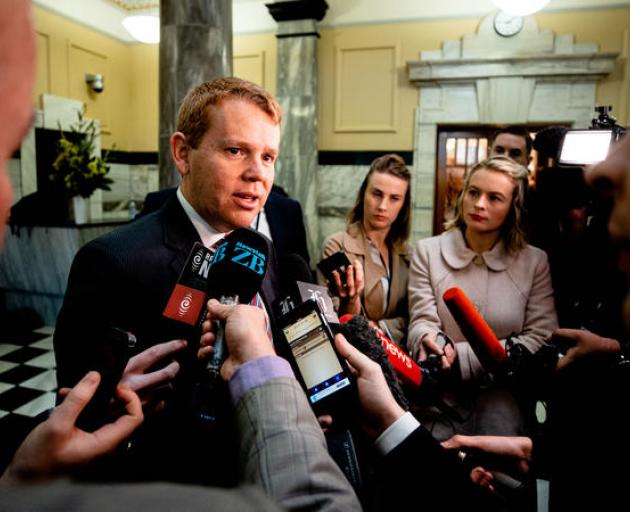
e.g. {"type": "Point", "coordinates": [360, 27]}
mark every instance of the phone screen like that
{"type": "Point", "coordinates": [315, 356]}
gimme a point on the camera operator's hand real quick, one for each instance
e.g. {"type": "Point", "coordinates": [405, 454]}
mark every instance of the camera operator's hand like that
{"type": "Point", "coordinates": [448, 353]}
{"type": "Point", "coordinates": [379, 409]}
{"type": "Point", "coordinates": [349, 293]}
{"type": "Point", "coordinates": [152, 386]}
{"type": "Point", "coordinates": [517, 448]}
{"type": "Point", "coordinates": [584, 344]}
{"type": "Point", "coordinates": [245, 335]}
{"type": "Point", "coordinates": [57, 445]}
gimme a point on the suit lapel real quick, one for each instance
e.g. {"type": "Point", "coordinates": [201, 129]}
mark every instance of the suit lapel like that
{"type": "Point", "coordinates": [179, 233]}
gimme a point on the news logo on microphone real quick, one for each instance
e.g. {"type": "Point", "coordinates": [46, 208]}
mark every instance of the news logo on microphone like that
{"type": "Point", "coordinates": [189, 296]}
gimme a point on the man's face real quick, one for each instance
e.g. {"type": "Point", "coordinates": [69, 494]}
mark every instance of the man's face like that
{"type": "Point", "coordinates": [17, 76]}
{"type": "Point", "coordinates": [512, 146]}
{"type": "Point", "coordinates": [227, 178]}
{"type": "Point", "coordinates": [613, 176]}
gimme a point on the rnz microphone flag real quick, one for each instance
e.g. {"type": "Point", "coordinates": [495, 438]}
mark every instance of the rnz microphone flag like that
{"type": "Point", "coordinates": [188, 300]}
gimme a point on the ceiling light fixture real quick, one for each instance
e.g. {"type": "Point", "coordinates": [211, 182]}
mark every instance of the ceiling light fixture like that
{"type": "Point", "coordinates": [520, 7]}
{"type": "Point", "coordinates": [144, 28]}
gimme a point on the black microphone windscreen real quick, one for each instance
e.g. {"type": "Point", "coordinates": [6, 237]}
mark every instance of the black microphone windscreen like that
{"type": "Point", "coordinates": [293, 268]}
{"type": "Point", "coordinates": [238, 265]}
{"type": "Point", "coordinates": [359, 334]}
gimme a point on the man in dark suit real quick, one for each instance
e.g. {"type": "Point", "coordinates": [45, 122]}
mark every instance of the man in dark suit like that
{"type": "Point", "coordinates": [227, 140]}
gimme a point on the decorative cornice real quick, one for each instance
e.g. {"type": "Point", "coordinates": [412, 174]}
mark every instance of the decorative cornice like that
{"type": "Point", "coordinates": [298, 10]}
{"type": "Point", "coordinates": [544, 66]}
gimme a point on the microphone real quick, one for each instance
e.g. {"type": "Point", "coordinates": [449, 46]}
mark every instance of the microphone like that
{"type": "Point", "coordinates": [482, 339]}
{"type": "Point", "coordinates": [406, 368]}
{"type": "Point", "coordinates": [292, 268]}
{"type": "Point", "coordinates": [398, 367]}
{"type": "Point", "coordinates": [296, 287]}
{"type": "Point", "coordinates": [237, 269]}
{"type": "Point", "coordinates": [188, 299]}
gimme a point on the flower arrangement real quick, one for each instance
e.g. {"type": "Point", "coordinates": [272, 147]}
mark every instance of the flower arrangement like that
{"type": "Point", "coordinates": [76, 168]}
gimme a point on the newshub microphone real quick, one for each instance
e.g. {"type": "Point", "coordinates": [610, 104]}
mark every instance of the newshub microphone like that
{"type": "Point", "coordinates": [237, 269]}
{"type": "Point", "coordinates": [478, 333]}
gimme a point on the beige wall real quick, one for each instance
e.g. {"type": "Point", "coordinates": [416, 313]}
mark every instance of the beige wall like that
{"type": "Point", "coordinates": [366, 101]}
{"type": "Point", "coordinates": [255, 59]}
{"type": "Point", "coordinates": [611, 29]}
{"type": "Point", "coordinates": [67, 51]}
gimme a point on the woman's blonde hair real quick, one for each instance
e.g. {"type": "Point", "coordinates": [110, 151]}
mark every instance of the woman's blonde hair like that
{"type": "Point", "coordinates": [513, 229]}
{"type": "Point", "coordinates": [401, 227]}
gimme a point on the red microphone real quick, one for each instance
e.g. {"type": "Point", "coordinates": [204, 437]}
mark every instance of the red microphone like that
{"type": "Point", "coordinates": [482, 339]}
{"type": "Point", "coordinates": [407, 370]}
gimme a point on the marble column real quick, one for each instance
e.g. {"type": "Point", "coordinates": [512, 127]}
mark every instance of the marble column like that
{"type": "Point", "coordinates": [296, 169]}
{"type": "Point", "coordinates": [195, 46]}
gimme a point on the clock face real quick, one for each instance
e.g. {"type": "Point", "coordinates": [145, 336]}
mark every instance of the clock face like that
{"type": "Point", "coordinates": [507, 25]}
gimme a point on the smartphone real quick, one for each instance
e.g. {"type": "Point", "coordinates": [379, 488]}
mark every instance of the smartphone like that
{"type": "Point", "coordinates": [329, 386]}
{"type": "Point", "coordinates": [110, 360]}
{"type": "Point", "coordinates": [337, 261]}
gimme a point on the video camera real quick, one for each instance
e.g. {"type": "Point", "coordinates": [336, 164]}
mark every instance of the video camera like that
{"type": "Point", "coordinates": [586, 147]}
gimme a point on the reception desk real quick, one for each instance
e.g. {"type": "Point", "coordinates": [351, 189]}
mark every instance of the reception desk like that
{"type": "Point", "coordinates": [35, 264]}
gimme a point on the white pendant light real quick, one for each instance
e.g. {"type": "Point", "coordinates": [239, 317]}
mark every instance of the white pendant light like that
{"type": "Point", "coordinates": [520, 7]}
{"type": "Point", "coordinates": [144, 28]}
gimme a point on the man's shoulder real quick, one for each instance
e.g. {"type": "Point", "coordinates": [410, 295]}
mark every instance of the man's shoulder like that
{"type": "Point", "coordinates": [136, 235]}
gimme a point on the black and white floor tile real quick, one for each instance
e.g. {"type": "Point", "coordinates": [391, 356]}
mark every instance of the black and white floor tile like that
{"type": "Point", "coordinates": [28, 385]}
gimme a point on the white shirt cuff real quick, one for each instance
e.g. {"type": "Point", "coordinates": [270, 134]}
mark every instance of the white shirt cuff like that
{"type": "Point", "coordinates": [396, 433]}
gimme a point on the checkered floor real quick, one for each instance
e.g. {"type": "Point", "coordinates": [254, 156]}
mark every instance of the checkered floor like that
{"type": "Point", "coordinates": [27, 385]}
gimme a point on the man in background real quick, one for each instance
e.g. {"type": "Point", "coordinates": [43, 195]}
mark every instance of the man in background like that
{"type": "Point", "coordinates": [513, 142]}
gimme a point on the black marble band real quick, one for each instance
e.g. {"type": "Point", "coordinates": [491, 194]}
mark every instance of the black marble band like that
{"type": "Point", "coordinates": [298, 34]}
{"type": "Point", "coordinates": [298, 10]}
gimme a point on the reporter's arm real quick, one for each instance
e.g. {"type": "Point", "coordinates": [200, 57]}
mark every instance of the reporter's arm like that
{"type": "Point", "coordinates": [282, 447]}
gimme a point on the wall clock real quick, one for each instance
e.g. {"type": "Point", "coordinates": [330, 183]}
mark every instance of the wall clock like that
{"type": "Point", "coordinates": [507, 25]}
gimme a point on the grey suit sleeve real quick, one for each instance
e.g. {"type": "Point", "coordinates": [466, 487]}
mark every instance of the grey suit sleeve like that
{"type": "Point", "coordinates": [283, 450]}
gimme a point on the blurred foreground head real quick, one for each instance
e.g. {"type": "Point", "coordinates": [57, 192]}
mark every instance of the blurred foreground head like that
{"type": "Point", "coordinates": [612, 176]}
{"type": "Point", "coordinates": [17, 75]}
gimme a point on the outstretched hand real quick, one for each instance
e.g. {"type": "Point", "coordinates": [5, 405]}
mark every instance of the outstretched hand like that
{"type": "Point", "coordinates": [584, 344]}
{"type": "Point", "coordinates": [150, 386]}
{"type": "Point", "coordinates": [57, 444]}
{"type": "Point", "coordinates": [516, 448]}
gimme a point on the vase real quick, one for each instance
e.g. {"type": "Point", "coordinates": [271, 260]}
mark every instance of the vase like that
{"type": "Point", "coordinates": [79, 209]}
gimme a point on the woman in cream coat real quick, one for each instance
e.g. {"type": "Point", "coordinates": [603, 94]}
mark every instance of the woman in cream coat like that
{"type": "Point", "coordinates": [483, 252]}
{"type": "Point", "coordinates": [375, 242]}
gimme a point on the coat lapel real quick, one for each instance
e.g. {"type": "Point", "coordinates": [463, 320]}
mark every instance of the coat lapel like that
{"type": "Point", "coordinates": [179, 233]}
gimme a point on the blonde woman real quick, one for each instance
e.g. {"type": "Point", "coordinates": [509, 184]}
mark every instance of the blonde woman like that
{"type": "Point", "coordinates": [483, 251]}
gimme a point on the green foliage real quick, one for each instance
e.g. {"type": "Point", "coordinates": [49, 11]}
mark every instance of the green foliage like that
{"type": "Point", "coordinates": [75, 168]}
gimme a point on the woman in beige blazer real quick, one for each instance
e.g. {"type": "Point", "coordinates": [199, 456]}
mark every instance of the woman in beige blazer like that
{"type": "Point", "coordinates": [375, 242]}
{"type": "Point", "coordinates": [483, 252]}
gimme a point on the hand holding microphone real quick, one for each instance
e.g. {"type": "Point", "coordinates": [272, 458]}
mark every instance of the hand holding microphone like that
{"type": "Point", "coordinates": [237, 270]}
{"type": "Point", "coordinates": [245, 335]}
{"type": "Point", "coordinates": [436, 343]}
